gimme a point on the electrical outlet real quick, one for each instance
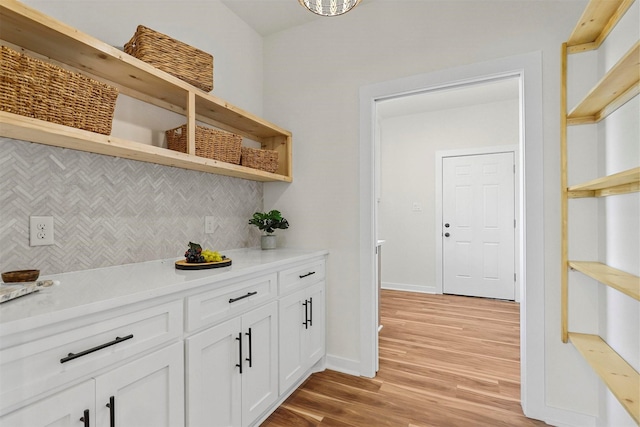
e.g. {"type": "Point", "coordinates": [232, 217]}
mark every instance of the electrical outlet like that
{"type": "Point", "coordinates": [41, 230]}
{"type": "Point", "coordinates": [209, 224]}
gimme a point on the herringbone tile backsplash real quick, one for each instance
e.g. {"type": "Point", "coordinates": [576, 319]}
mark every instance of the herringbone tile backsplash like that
{"type": "Point", "coordinates": [110, 211]}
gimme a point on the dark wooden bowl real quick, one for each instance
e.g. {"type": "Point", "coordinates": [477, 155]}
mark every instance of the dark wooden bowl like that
{"type": "Point", "coordinates": [20, 276]}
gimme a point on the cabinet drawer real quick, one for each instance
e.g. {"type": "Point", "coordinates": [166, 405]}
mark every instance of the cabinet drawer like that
{"type": "Point", "coordinates": [299, 277]}
{"type": "Point", "coordinates": [89, 344]}
{"type": "Point", "coordinates": [211, 307]}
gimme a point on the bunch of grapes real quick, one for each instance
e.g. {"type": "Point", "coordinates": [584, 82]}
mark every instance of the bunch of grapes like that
{"type": "Point", "coordinates": [212, 256]}
{"type": "Point", "coordinates": [194, 253]}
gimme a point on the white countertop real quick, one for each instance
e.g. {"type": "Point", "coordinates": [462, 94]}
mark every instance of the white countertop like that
{"type": "Point", "coordinates": [89, 291]}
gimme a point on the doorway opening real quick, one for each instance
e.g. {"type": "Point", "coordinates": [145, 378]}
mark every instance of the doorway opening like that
{"type": "Point", "coordinates": [527, 70]}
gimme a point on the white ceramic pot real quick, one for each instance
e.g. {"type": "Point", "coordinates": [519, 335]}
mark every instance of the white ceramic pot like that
{"type": "Point", "coordinates": [268, 241]}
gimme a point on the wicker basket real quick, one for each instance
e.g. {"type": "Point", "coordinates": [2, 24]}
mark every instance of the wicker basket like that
{"type": "Point", "coordinates": [210, 143]}
{"type": "Point", "coordinates": [172, 56]}
{"type": "Point", "coordinates": [266, 160]}
{"type": "Point", "coordinates": [33, 88]}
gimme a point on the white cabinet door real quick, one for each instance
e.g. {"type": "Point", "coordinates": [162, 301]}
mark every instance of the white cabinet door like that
{"type": "Point", "coordinates": [314, 338]}
{"type": "Point", "coordinates": [146, 392]}
{"type": "Point", "coordinates": [232, 370]}
{"type": "Point", "coordinates": [302, 333]}
{"type": "Point", "coordinates": [292, 331]}
{"type": "Point", "coordinates": [64, 409]}
{"type": "Point", "coordinates": [260, 354]}
{"type": "Point", "coordinates": [213, 378]}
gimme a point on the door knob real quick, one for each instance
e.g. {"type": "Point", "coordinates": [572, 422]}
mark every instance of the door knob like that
{"type": "Point", "coordinates": [447, 225]}
{"type": "Point", "coordinates": [446, 234]}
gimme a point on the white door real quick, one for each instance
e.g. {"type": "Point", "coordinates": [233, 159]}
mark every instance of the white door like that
{"type": "Point", "coordinates": [260, 369]}
{"type": "Point", "coordinates": [74, 407]}
{"type": "Point", "coordinates": [478, 225]}
{"type": "Point", "coordinates": [292, 358]}
{"type": "Point", "coordinates": [314, 342]}
{"type": "Point", "coordinates": [214, 394]}
{"type": "Point", "coordinates": [148, 391]}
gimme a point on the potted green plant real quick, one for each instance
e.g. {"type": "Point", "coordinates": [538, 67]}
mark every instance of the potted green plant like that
{"type": "Point", "coordinates": [268, 222]}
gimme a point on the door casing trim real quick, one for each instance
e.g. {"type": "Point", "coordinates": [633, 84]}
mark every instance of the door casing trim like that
{"type": "Point", "coordinates": [528, 67]}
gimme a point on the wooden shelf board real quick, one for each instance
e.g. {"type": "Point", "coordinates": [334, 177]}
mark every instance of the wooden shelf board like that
{"type": "Point", "coordinates": [621, 82]}
{"type": "Point", "coordinates": [623, 182]}
{"type": "Point", "coordinates": [34, 31]}
{"type": "Point", "coordinates": [614, 278]}
{"type": "Point", "coordinates": [29, 129]}
{"type": "Point", "coordinates": [615, 372]}
{"type": "Point", "coordinates": [595, 23]}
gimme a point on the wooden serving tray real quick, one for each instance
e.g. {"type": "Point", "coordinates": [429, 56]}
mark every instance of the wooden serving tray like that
{"type": "Point", "coordinates": [184, 265]}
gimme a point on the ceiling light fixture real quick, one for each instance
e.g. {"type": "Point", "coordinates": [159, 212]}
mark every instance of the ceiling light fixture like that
{"type": "Point", "coordinates": [329, 7]}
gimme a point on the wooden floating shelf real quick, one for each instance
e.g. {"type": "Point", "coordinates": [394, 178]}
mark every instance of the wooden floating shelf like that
{"type": "Point", "coordinates": [624, 282]}
{"type": "Point", "coordinates": [28, 129]}
{"type": "Point", "coordinates": [597, 20]}
{"type": "Point", "coordinates": [618, 86]}
{"type": "Point", "coordinates": [35, 32]}
{"type": "Point", "coordinates": [615, 372]}
{"type": "Point", "coordinates": [619, 183]}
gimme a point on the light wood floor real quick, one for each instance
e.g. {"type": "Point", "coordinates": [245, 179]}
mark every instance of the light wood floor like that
{"type": "Point", "coordinates": [444, 361]}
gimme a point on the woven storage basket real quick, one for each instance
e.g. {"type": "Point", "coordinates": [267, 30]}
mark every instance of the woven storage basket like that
{"type": "Point", "coordinates": [266, 160]}
{"type": "Point", "coordinates": [210, 143]}
{"type": "Point", "coordinates": [33, 88]}
{"type": "Point", "coordinates": [172, 56]}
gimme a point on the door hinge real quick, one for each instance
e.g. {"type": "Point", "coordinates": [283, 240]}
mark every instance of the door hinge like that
{"type": "Point", "coordinates": [514, 277]}
{"type": "Point", "coordinates": [514, 168]}
{"type": "Point", "coordinates": [514, 223]}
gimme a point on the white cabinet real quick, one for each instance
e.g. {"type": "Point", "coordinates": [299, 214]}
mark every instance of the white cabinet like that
{"type": "Point", "coordinates": [64, 409]}
{"type": "Point", "coordinates": [302, 333]}
{"type": "Point", "coordinates": [232, 375]}
{"type": "Point", "coordinates": [165, 348]}
{"type": "Point", "coordinates": [146, 392]}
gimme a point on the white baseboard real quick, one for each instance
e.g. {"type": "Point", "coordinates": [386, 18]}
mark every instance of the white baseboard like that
{"type": "Point", "coordinates": [429, 289]}
{"type": "Point", "coordinates": [565, 418]}
{"type": "Point", "coordinates": [341, 364]}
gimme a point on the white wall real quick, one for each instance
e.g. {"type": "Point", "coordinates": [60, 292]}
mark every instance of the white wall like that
{"type": "Point", "coordinates": [312, 77]}
{"type": "Point", "coordinates": [408, 149]}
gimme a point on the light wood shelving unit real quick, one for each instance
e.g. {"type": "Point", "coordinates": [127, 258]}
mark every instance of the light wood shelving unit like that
{"type": "Point", "coordinates": [39, 35]}
{"type": "Point", "coordinates": [620, 84]}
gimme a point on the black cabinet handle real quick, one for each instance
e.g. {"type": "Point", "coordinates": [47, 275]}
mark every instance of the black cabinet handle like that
{"type": "Point", "coordinates": [72, 356]}
{"type": "Point", "coordinates": [85, 418]}
{"type": "Point", "coordinates": [112, 411]}
{"type": "Point", "coordinates": [306, 315]}
{"type": "Point", "coordinates": [242, 297]}
{"type": "Point", "coordinates": [310, 311]}
{"type": "Point", "coordinates": [248, 359]}
{"type": "Point", "coordinates": [239, 364]}
{"type": "Point", "coordinates": [308, 274]}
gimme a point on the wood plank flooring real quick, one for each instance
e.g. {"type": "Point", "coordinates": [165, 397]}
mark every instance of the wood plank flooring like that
{"type": "Point", "coordinates": [444, 361]}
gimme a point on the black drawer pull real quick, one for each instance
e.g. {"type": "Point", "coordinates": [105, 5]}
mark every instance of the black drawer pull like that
{"type": "Point", "coordinates": [85, 418]}
{"type": "Point", "coordinates": [112, 411]}
{"type": "Point", "coordinates": [308, 274]}
{"type": "Point", "coordinates": [72, 356]}
{"type": "Point", "coordinates": [242, 297]}
{"type": "Point", "coordinates": [306, 314]}
{"type": "Point", "coordinates": [250, 358]}
{"type": "Point", "coordinates": [239, 339]}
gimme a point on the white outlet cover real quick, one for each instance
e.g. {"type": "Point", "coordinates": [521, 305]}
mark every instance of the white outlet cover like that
{"type": "Point", "coordinates": [41, 230]}
{"type": "Point", "coordinates": [209, 224]}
